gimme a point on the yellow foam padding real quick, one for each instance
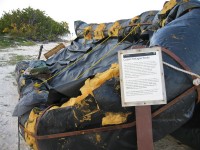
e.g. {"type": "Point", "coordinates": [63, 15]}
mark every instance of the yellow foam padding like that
{"type": "Point", "coordinates": [22, 71]}
{"type": "Point", "coordinates": [114, 118]}
{"type": "Point", "coordinates": [168, 6]}
{"type": "Point", "coordinates": [133, 20]}
{"type": "Point", "coordinates": [23, 82]}
{"type": "Point", "coordinates": [87, 112]}
{"type": "Point", "coordinates": [87, 31]}
{"type": "Point", "coordinates": [99, 31]}
{"type": "Point", "coordinates": [163, 22]}
{"type": "Point", "coordinates": [54, 107]}
{"type": "Point", "coordinates": [37, 85]}
{"type": "Point", "coordinates": [94, 83]}
{"type": "Point", "coordinates": [30, 126]}
{"type": "Point", "coordinates": [114, 30]}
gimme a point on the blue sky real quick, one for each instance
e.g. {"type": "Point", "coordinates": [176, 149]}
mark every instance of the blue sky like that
{"type": "Point", "coordinates": [90, 11]}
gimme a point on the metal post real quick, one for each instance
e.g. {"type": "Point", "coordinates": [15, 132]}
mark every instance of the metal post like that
{"type": "Point", "coordinates": [144, 127]}
{"type": "Point", "coordinates": [40, 52]}
{"type": "Point", "coordinates": [18, 134]}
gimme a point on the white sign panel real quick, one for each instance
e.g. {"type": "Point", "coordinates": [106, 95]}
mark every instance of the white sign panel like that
{"type": "Point", "coordinates": [142, 77]}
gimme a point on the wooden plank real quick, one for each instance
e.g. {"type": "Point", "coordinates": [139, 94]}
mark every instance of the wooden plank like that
{"type": "Point", "coordinates": [144, 127]}
{"type": "Point", "coordinates": [54, 50]}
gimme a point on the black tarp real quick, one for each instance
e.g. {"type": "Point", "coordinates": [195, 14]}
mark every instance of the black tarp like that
{"type": "Point", "coordinates": [189, 133]}
{"type": "Point", "coordinates": [180, 35]}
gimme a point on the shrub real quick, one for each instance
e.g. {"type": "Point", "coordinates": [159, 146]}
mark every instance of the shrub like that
{"type": "Point", "coordinates": [32, 24]}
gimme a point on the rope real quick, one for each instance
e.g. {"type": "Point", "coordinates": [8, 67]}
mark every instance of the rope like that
{"type": "Point", "coordinates": [196, 81]}
{"type": "Point", "coordinates": [131, 25]}
{"type": "Point", "coordinates": [64, 69]}
{"type": "Point", "coordinates": [115, 46]}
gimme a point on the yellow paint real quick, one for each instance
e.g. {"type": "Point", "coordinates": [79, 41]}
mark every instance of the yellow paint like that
{"type": "Point", "coordinates": [163, 22]}
{"type": "Point", "coordinates": [99, 31]}
{"type": "Point", "coordinates": [54, 107]}
{"type": "Point", "coordinates": [87, 33]}
{"type": "Point", "coordinates": [30, 126]}
{"type": "Point", "coordinates": [114, 118]}
{"type": "Point", "coordinates": [98, 138]}
{"type": "Point", "coordinates": [168, 6]}
{"type": "Point", "coordinates": [37, 85]}
{"type": "Point", "coordinates": [87, 89]}
{"type": "Point", "coordinates": [94, 83]}
{"type": "Point", "coordinates": [133, 20]}
{"type": "Point", "coordinates": [114, 30]}
{"type": "Point", "coordinates": [87, 112]}
{"type": "Point", "coordinates": [23, 82]}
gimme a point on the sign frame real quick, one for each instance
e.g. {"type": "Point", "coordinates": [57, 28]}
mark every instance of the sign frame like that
{"type": "Point", "coordinates": [121, 53]}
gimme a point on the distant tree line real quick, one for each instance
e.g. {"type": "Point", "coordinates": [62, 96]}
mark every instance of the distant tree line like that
{"type": "Point", "coordinates": [32, 24]}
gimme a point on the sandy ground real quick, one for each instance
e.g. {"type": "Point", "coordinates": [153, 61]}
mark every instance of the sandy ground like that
{"type": "Point", "coordinates": [9, 95]}
{"type": "Point", "coordinates": [9, 98]}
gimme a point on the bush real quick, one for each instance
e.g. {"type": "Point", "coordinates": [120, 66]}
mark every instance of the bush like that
{"type": "Point", "coordinates": [33, 24]}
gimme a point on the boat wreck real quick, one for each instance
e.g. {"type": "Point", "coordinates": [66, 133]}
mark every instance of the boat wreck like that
{"type": "Point", "coordinates": [72, 100]}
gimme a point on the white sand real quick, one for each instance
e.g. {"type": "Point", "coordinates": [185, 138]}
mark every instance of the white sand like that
{"type": "Point", "coordinates": [9, 98]}
{"type": "Point", "coordinates": [9, 95]}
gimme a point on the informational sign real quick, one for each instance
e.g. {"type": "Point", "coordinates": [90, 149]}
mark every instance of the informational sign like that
{"type": "Point", "coordinates": [142, 77]}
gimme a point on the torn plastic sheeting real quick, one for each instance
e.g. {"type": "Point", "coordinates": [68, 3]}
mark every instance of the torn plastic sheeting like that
{"type": "Point", "coordinates": [73, 72]}
{"type": "Point", "coordinates": [29, 96]}
{"type": "Point", "coordinates": [29, 100]}
{"type": "Point", "coordinates": [98, 51]}
{"type": "Point", "coordinates": [114, 29]}
{"type": "Point", "coordinates": [69, 54]}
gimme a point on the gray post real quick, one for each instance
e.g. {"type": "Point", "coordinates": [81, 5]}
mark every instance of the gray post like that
{"type": "Point", "coordinates": [40, 52]}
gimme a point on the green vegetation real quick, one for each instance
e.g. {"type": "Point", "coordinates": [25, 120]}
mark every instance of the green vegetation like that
{"type": "Point", "coordinates": [32, 24]}
{"type": "Point", "coordinates": [8, 41]}
{"type": "Point", "coordinates": [14, 59]}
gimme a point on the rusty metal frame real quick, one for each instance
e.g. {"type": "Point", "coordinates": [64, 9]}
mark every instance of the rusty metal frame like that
{"type": "Point", "coordinates": [144, 127]}
{"type": "Point", "coordinates": [115, 127]}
